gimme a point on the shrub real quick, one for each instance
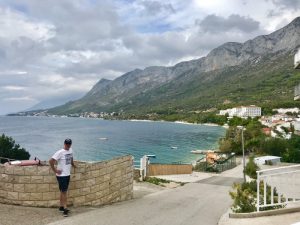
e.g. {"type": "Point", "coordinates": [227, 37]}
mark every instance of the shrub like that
{"type": "Point", "coordinates": [251, 168]}
{"type": "Point", "coordinates": [9, 149]}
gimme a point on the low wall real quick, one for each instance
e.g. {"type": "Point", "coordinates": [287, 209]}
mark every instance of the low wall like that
{"type": "Point", "coordinates": [93, 184]}
{"type": "Point", "coordinates": [169, 169]}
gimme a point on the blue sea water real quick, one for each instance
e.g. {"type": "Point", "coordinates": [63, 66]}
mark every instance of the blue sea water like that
{"type": "Point", "coordinates": [42, 136]}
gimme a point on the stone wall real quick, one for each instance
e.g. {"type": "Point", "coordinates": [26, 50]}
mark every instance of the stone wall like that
{"type": "Point", "coordinates": [95, 184]}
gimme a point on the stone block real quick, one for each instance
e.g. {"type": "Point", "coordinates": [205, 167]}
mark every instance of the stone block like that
{"type": "Point", "coordinates": [24, 179]}
{"type": "Point", "coordinates": [53, 203]}
{"type": "Point", "coordinates": [43, 188]}
{"type": "Point", "coordinates": [49, 196]}
{"type": "Point", "coordinates": [43, 204]}
{"type": "Point", "coordinates": [24, 196]}
{"type": "Point", "coordinates": [116, 173]}
{"type": "Point", "coordinates": [99, 179]}
{"type": "Point", "coordinates": [74, 193]}
{"type": "Point", "coordinates": [3, 194]}
{"type": "Point", "coordinates": [90, 197]}
{"type": "Point", "coordinates": [36, 196]}
{"type": "Point", "coordinates": [95, 188]}
{"type": "Point", "coordinates": [53, 187]}
{"type": "Point", "coordinates": [90, 182]}
{"type": "Point", "coordinates": [79, 184]}
{"type": "Point", "coordinates": [19, 187]}
{"type": "Point", "coordinates": [80, 169]}
{"type": "Point", "coordinates": [96, 202]}
{"type": "Point", "coordinates": [95, 173]}
{"type": "Point", "coordinates": [78, 201]}
{"type": "Point", "coordinates": [75, 176]}
{"type": "Point", "coordinates": [28, 203]}
{"type": "Point", "coordinates": [9, 170]}
{"type": "Point", "coordinates": [44, 170]}
{"type": "Point", "coordinates": [37, 179]}
{"type": "Point", "coordinates": [106, 177]}
{"type": "Point", "coordinates": [12, 195]}
{"type": "Point", "coordinates": [30, 188]}
{"type": "Point", "coordinates": [72, 185]}
{"type": "Point", "coordinates": [85, 191]}
{"type": "Point", "coordinates": [8, 187]}
{"type": "Point", "coordinates": [103, 171]}
{"type": "Point", "coordinates": [19, 170]}
{"type": "Point", "coordinates": [4, 178]}
{"type": "Point", "coordinates": [115, 187]}
{"type": "Point", "coordinates": [30, 170]}
{"type": "Point", "coordinates": [51, 179]}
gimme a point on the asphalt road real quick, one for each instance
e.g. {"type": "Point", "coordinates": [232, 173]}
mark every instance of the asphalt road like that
{"type": "Point", "coordinates": [201, 203]}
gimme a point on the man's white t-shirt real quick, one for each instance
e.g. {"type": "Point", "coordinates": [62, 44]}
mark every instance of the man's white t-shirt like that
{"type": "Point", "coordinates": [64, 161]}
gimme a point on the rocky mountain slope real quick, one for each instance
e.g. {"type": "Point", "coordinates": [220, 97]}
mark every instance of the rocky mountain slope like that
{"type": "Point", "coordinates": [242, 73]}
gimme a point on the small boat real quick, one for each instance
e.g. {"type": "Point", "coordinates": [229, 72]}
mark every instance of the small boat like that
{"type": "Point", "coordinates": [174, 147]}
{"type": "Point", "coordinates": [201, 151]}
{"type": "Point", "coordinates": [103, 138]}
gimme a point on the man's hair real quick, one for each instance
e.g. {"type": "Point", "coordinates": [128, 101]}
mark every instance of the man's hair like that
{"type": "Point", "coordinates": [68, 141]}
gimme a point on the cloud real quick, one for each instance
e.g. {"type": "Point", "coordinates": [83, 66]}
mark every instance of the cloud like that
{"type": "Point", "coordinates": [53, 49]}
{"type": "Point", "coordinates": [218, 24]}
{"type": "Point", "coordinates": [288, 4]}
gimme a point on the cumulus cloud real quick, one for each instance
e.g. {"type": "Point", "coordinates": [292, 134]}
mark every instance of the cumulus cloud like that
{"type": "Point", "coordinates": [218, 24]}
{"type": "Point", "coordinates": [290, 4]}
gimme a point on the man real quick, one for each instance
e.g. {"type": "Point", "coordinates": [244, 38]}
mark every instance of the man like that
{"type": "Point", "coordinates": [64, 160]}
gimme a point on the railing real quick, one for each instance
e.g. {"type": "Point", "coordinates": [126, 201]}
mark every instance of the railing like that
{"type": "Point", "coordinates": [280, 186]}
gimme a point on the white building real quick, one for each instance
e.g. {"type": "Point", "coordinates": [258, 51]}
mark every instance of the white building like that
{"type": "Point", "coordinates": [242, 111]}
{"type": "Point", "coordinates": [267, 159]}
{"type": "Point", "coordinates": [284, 111]}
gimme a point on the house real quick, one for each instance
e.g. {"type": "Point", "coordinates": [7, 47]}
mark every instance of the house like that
{"type": "Point", "coordinates": [267, 160]}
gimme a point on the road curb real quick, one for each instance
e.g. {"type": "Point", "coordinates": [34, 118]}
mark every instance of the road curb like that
{"type": "Point", "coordinates": [264, 213]}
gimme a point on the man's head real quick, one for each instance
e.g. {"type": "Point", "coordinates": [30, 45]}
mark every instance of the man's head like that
{"type": "Point", "coordinates": [68, 143]}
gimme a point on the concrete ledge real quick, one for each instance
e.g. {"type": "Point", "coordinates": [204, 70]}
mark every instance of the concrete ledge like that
{"type": "Point", "coordinates": [264, 213]}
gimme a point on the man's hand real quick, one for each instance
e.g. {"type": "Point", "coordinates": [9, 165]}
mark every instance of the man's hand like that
{"type": "Point", "coordinates": [58, 172]}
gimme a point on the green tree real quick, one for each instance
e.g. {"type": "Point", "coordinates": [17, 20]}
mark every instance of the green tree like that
{"type": "Point", "coordinates": [9, 149]}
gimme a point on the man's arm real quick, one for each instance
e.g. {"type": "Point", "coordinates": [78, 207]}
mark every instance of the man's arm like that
{"type": "Point", "coordinates": [52, 162]}
{"type": "Point", "coordinates": [72, 162]}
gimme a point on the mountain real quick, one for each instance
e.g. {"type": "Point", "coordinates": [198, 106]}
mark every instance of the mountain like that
{"type": "Point", "coordinates": [258, 71]}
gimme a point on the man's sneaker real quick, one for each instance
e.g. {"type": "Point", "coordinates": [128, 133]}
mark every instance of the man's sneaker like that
{"type": "Point", "coordinates": [61, 209]}
{"type": "Point", "coordinates": [66, 212]}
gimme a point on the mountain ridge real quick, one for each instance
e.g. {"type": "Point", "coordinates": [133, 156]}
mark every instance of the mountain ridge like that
{"type": "Point", "coordinates": [133, 85]}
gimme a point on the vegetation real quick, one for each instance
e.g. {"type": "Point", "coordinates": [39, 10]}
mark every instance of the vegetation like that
{"type": "Point", "coordinates": [156, 181]}
{"type": "Point", "coordinates": [251, 168]}
{"type": "Point", "coordinates": [9, 149]}
{"type": "Point", "coordinates": [244, 197]}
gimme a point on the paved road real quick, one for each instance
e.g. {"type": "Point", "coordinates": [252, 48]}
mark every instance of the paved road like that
{"type": "Point", "coordinates": [200, 203]}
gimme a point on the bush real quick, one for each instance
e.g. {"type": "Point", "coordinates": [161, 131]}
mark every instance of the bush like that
{"type": "Point", "coordinates": [244, 199]}
{"type": "Point", "coordinates": [251, 168]}
{"type": "Point", "coordinates": [9, 149]}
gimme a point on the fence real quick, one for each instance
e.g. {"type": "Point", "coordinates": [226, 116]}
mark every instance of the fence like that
{"type": "Point", "coordinates": [168, 169]}
{"type": "Point", "coordinates": [280, 186]}
{"type": "Point", "coordinates": [218, 166]}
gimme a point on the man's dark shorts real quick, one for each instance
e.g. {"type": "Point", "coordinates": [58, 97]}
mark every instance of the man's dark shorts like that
{"type": "Point", "coordinates": [63, 183]}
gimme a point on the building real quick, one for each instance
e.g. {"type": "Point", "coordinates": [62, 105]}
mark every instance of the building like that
{"type": "Point", "coordinates": [267, 160]}
{"type": "Point", "coordinates": [242, 111]}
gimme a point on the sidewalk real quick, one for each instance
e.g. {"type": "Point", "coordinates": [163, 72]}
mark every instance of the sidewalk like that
{"type": "Point", "coordinates": [285, 219]}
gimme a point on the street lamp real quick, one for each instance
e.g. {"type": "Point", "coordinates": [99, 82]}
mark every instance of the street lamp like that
{"type": "Point", "coordinates": [243, 148]}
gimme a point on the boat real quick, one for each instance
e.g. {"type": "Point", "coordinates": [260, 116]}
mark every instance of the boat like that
{"type": "Point", "coordinates": [197, 151]}
{"type": "Point", "coordinates": [103, 138]}
{"type": "Point", "coordinates": [174, 147]}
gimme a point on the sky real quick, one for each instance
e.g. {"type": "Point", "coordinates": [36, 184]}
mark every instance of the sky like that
{"type": "Point", "coordinates": [56, 50]}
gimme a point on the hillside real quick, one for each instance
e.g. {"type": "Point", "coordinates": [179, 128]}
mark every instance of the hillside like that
{"type": "Point", "coordinates": [259, 71]}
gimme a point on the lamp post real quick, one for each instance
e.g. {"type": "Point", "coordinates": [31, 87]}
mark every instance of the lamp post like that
{"type": "Point", "coordinates": [243, 149]}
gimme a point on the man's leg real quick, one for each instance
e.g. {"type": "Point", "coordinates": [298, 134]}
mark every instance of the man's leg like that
{"type": "Point", "coordinates": [63, 199]}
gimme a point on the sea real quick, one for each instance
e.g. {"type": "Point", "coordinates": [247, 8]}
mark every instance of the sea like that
{"type": "Point", "coordinates": [97, 139]}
